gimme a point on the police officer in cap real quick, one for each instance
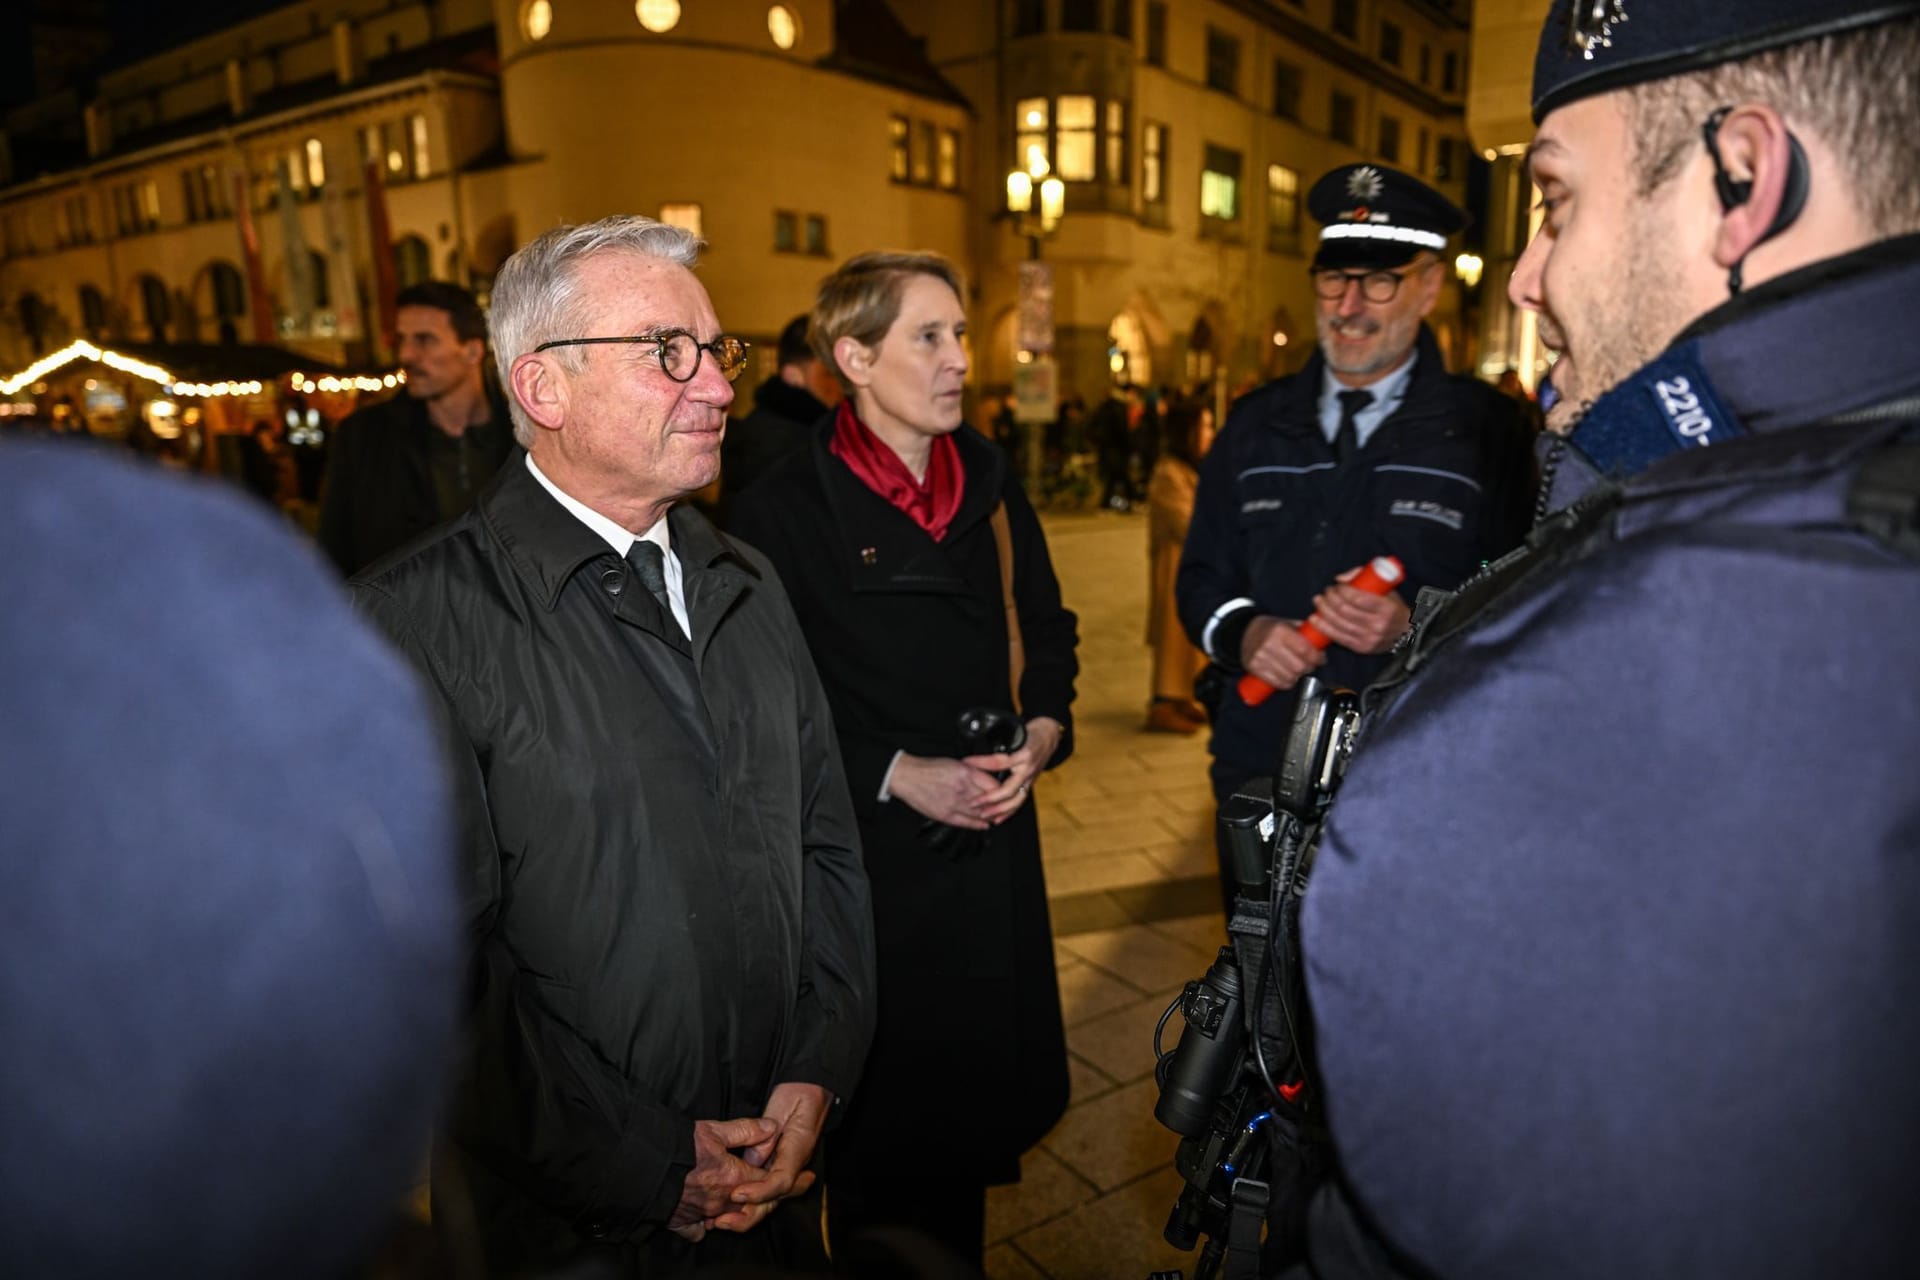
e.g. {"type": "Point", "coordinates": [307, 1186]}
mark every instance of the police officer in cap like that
{"type": "Point", "coordinates": [1614, 929]}
{"type": "Point", "coordinates": [1372, 449]}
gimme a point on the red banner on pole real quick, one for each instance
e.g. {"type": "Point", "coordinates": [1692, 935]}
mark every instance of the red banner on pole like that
{"type": "Point", "coordinates": [259, 301]}
{"type": "Point", "coordinates": [385, 278]}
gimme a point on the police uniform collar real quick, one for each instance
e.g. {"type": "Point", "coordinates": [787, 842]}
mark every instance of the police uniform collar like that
{"type": "Point", "coordinates": [1831, 337]}
{"type": "Point", "coordinates": [1302, 390]}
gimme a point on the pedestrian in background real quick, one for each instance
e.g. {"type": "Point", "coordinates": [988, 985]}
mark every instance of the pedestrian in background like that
{"type": "Point", "coordinates": [402, 465]}
{"type": "Point", "coordinates": [785, 407]}
{"type": "Point", "coordinates": [1170, 490]}
{"type": "Point", "coordinates": [915, 562]}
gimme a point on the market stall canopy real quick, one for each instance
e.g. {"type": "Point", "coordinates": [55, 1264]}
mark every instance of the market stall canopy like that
{"type": "Point", "coordinates": [206, 369]}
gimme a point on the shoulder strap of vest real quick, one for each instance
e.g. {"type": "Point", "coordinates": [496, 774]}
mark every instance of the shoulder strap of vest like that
{"type": "Point", "coordinates": [1439, 616]}
{"type": "Point", "coordinates": [1884, 500]}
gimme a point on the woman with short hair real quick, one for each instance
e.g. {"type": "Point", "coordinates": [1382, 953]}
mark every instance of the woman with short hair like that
{"type": "Point", "coordinates": [891, 531]}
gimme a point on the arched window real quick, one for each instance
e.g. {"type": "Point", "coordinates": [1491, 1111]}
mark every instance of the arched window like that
{"type": "Point", "coordinates": [156, 307]}
{"type": "Point", "coordinates": [229, 291]}
{"type": "Point", "coordinates": [412, 261]}
{"type": "Point", "coordinates": [34, 318]}
{"type": "Point", "coordinates": [322, 282]}
{"type": "Point", "coordinates": [93, 311]}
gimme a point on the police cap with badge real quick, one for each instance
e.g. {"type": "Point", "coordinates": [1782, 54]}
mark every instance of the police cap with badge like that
{"type": "Point", "coordinates": [1595, 46]}
{"type": "Point", "coordinates": [1373, 218]}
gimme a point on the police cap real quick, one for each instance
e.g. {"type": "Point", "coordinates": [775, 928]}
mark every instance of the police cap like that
{"type": "Point", "coordinates": [1372, 216]}
{"type": "Point", "coordinates": [1596, 46]}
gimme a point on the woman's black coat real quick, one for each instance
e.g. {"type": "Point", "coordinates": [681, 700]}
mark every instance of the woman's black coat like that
{"type": "Point", "coordinates": [969, 1063]}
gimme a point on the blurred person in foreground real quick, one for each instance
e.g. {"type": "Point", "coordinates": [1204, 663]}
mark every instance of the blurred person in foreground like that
{"type": "Point", "coordinates": [1170, 489]}
{"type": "Point", "coordinates": [785, 407]}
{"type": "Point", "coordinates": [1614, 930]}
{"type": "Point", "coordinates": [893, 531]}
{"type": "Point", "coordinates": [402, 465]}
{"type": "Point", "coordinates": [673, 948]}
{"type": "Point", "coordinates": [229, 948]}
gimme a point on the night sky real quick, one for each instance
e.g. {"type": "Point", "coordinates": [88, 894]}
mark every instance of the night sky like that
{"type": "Point", "coordinates": [140, 28]}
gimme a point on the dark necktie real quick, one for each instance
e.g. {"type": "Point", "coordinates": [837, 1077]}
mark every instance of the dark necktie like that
{"type": "Point", "coordinates": [1346, 441]}
{"type": "Point", "coordinates": [649, 564]}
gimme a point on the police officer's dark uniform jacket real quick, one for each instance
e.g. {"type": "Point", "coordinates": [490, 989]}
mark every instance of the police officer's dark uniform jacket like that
{"type": "Point", "coordinates": [666, 894]}
{"type": "Point", "coordinates": [1445, 483]}
{"type": "Point", "coordinates": [1611, 941]}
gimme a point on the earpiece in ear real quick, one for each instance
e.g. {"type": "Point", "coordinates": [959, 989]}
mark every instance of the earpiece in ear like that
{"type": "Point", "coordinates": [1734, 192]}
{"type": "Point", "coordinates": [1793, 197]}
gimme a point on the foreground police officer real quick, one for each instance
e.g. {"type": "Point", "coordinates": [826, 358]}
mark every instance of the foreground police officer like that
{"type": "Point", "coordinates": [1371, 449]}
{"type": "Point", "coordinates": [1614, 933]}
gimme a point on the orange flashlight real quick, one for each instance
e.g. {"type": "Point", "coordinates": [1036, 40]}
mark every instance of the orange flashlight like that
{"type": "Point", "coordinates": [1381, 575]}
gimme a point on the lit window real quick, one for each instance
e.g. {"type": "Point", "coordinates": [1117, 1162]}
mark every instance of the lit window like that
{"type": "Point", "coordinates": [1117, 143]}
{"type": "Point", "coordinates": [784, 26]}
{"type": "Point", "coordinates": [1220, 185]}
{"type": "Point", "coordinates": [897, 134]}
{"type": "Point", "coordinates": [316, 164]}
{"type": "Point", "coordinates": [537, 19]}
{"type": "Point", "coordinates": [947, 162]}
{"type": "Point", "coordinates": [1074, 141]}
{"type": "Point", "coordinates": [657, 15]}
{"type": "Point", "coordinates": [1153, 152]}
{"type": "Point", "coordinates": [1030, 150]}
{"type": "Point", "coordinates": [684, 216]}
{"type": "Point", "coordinates": [923, 152]}
{"type": "Point", "coordinates": [1283, 207]}
{"type": "Point", "coordinates": [417, 126]}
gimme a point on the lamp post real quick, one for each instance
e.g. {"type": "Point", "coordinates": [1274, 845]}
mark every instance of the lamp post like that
{"type": "Point", "coordinates": [1036, 224]}
{"type": "Point", "coordinates": [1035, 401]}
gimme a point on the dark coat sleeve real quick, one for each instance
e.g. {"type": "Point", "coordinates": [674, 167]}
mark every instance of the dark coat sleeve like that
{"type": "Point", "coordinates": [1508, 470]}
{"type": "Point", "coordinates": [1212, 586]}
{"type": "Point", "coordinates": [835, 1008]}
{"type": "Point", "coordinates": [577, 1135]}
{"type": "Point", "coordinates": [1049, 632]}
{"type": "Point", "coordinates": [335, 533]}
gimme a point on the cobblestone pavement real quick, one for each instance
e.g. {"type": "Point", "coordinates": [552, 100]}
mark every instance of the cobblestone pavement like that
{"type": "Point", "coordinates": [1126, 831]}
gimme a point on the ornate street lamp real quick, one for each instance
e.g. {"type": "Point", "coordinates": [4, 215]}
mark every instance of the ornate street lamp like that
{"type": "Point", "coordinates": [1036, 224]}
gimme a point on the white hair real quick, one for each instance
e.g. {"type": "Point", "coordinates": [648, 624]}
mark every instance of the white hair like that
{"type": "Point", "coordinates": [534, 294]}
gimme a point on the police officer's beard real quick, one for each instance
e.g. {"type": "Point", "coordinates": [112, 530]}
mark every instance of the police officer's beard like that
{"type": "Point", "coordinates": [1387, 354]}
{"type": "Point", "coordinates": [1624, 324]}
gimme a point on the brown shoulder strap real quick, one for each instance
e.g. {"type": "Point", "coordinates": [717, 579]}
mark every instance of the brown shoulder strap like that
{"type": "Point", "coordinates": [1016, 648]}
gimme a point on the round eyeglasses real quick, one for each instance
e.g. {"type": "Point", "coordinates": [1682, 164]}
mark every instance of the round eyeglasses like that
{"type": "Point", "coordinates": [1375, 286]}
{"type": "Point", "coordinates": [679, 351]}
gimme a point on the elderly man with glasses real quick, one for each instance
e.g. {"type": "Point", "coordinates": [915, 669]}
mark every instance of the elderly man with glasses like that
{"type": "Point", "coordinates": [1372, 449]}
{"type": "Point", "coordinates": [673, 947]}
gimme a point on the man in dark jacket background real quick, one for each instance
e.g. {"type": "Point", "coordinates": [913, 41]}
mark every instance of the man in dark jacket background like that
{"type": "Point", "coordinates": [785, 409]}
{"type": "Point", "coordinates": [1371, 449]}
{"type": "Point", "coordinates": [674, 946]}
{"type": "Point", "coordinates": [1611, 939]}
{"type": "Point", "coordinates": [421, 456]}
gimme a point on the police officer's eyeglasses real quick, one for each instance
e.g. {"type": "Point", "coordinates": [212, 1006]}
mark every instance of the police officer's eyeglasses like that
{"type": "Point", "coordinates": [1375, 286]}
{"type": "Point", "coordinates": [679, 351]}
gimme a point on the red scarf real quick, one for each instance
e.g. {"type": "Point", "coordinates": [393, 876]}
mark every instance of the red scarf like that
{"type": "Point", "coordinates": [931, 503]}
